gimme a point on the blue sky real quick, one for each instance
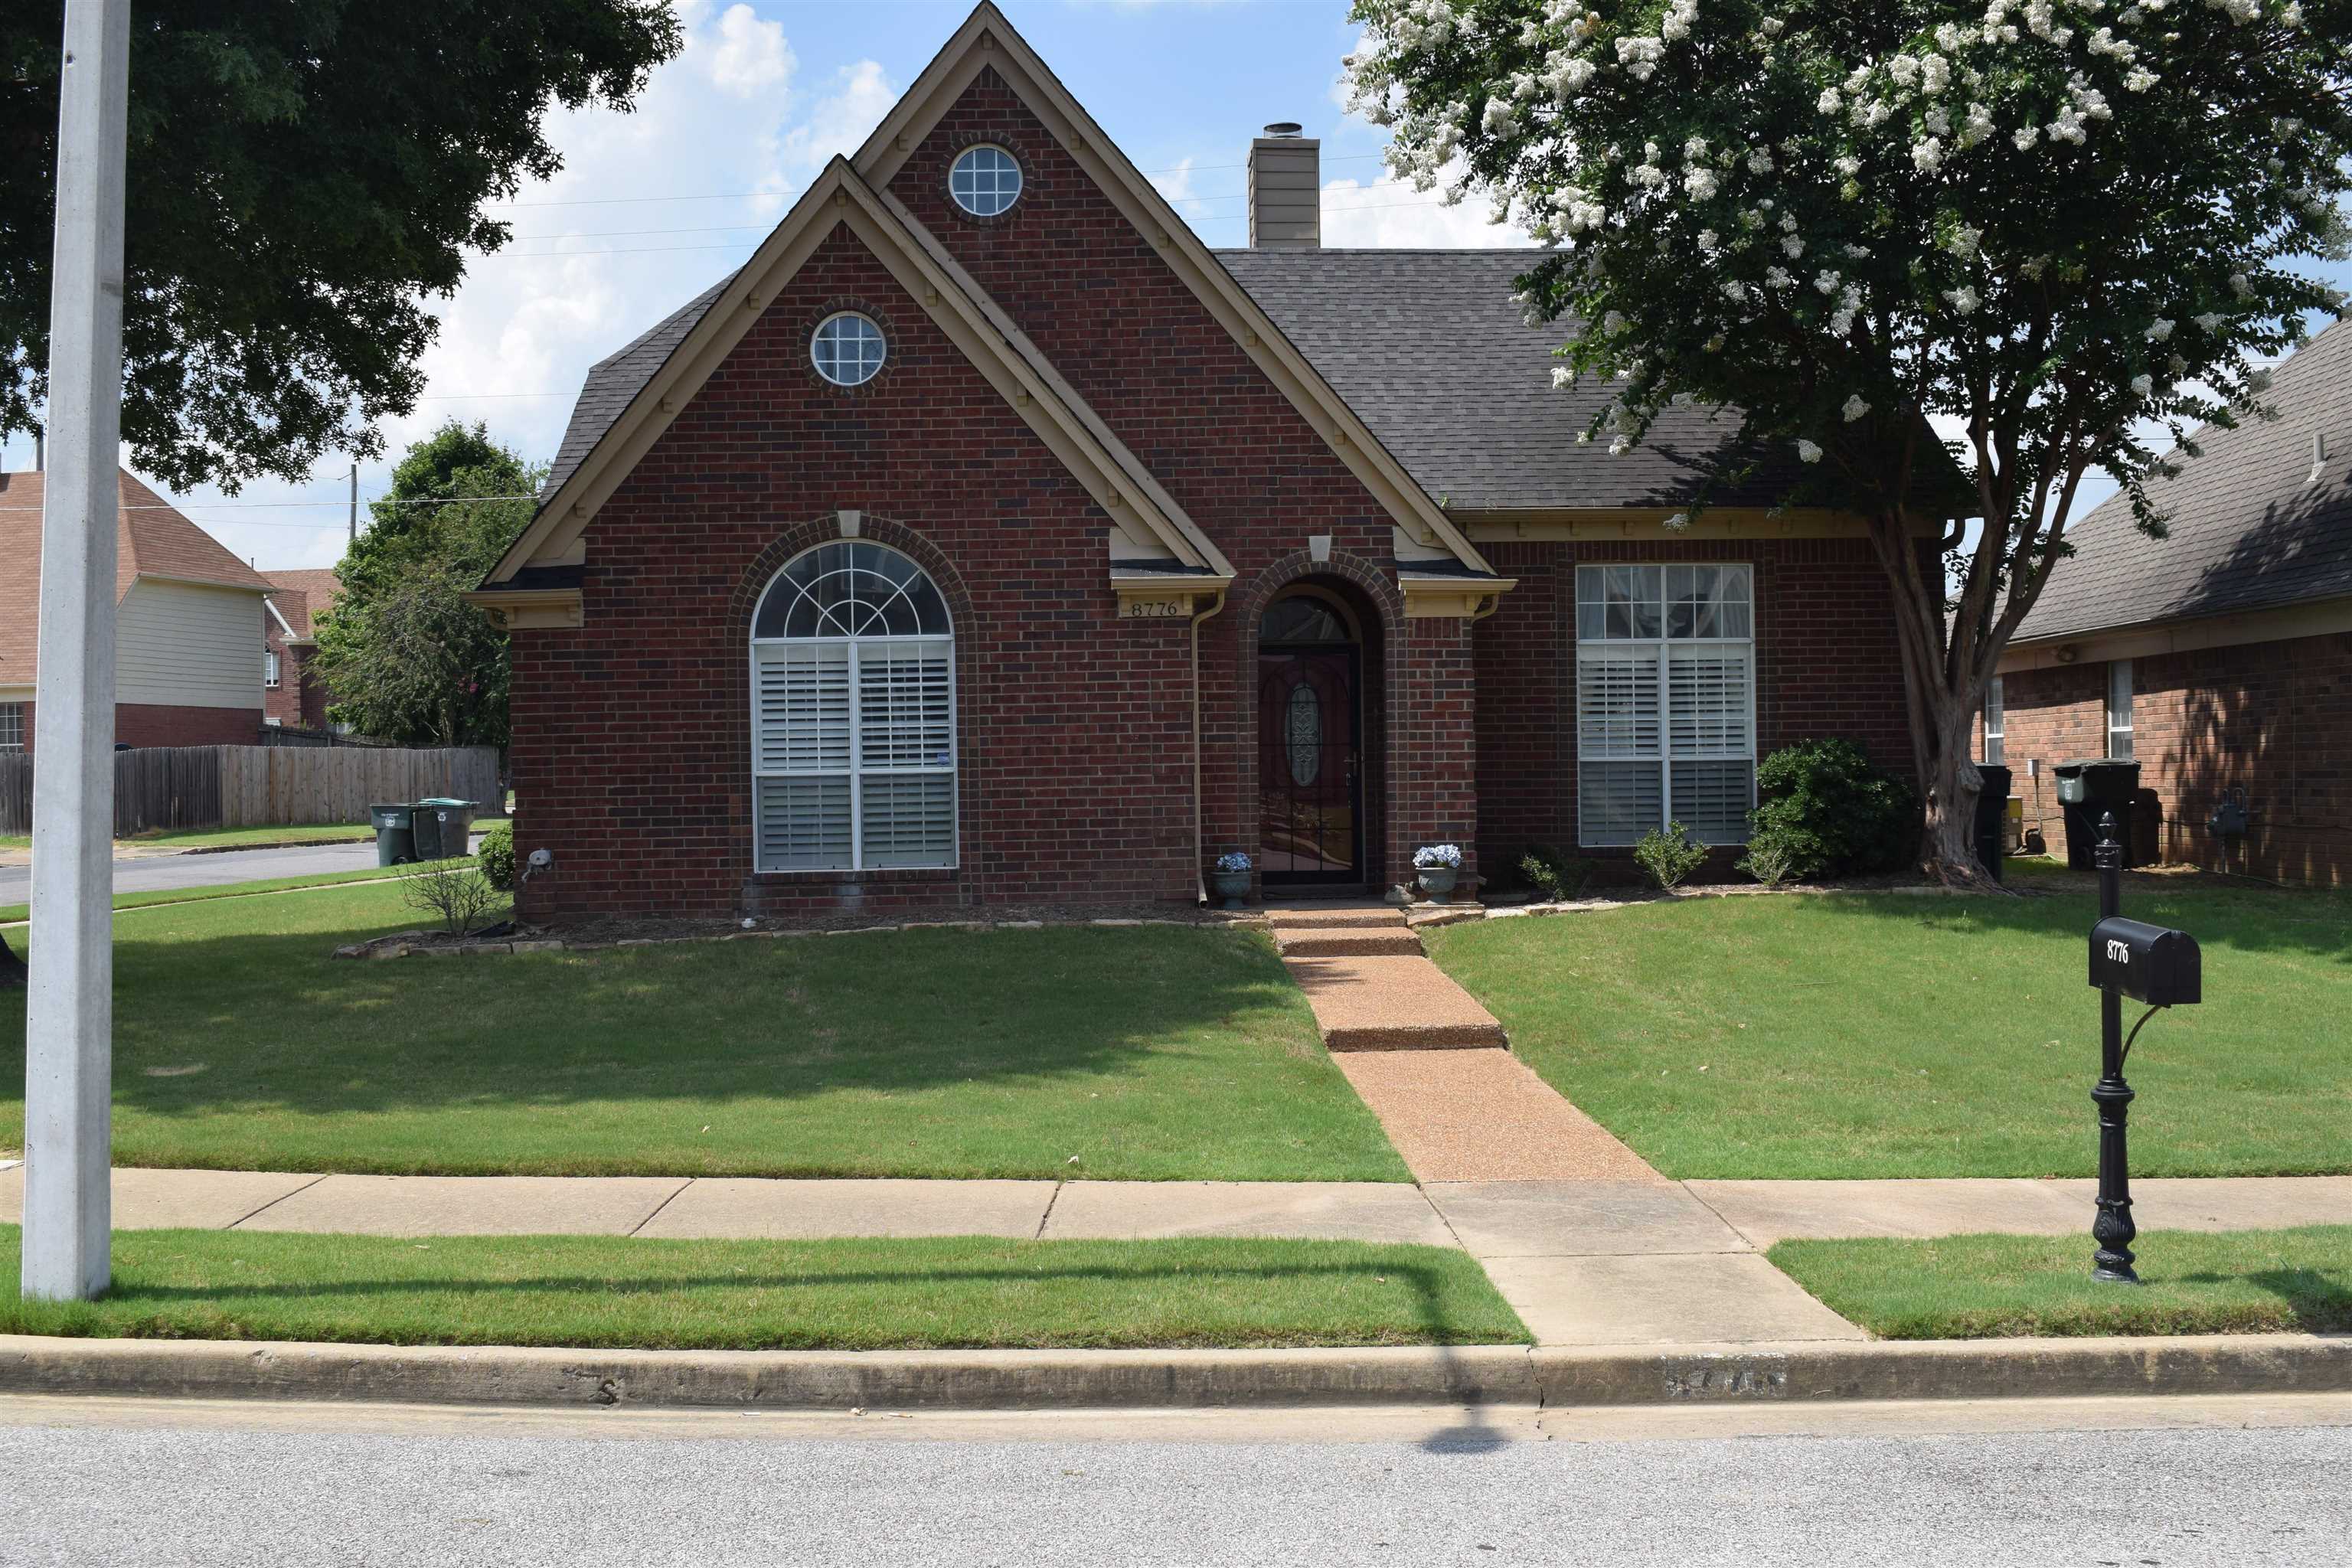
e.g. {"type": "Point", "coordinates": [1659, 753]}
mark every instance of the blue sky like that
{"type": "Point", "coordinates": [654, 205]}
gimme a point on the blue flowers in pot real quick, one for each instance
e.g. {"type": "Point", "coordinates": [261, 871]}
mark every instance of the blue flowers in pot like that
{"type": "Point", "coordinates": [1232, 879]}
{"type": "Point", "coordinates": [1438, 865]}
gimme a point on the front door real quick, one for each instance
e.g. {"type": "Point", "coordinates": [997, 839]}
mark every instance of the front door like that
{"type": "Point", "coordinates": [1310, 780]}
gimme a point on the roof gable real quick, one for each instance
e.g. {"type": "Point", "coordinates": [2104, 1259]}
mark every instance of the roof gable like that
{"type": "Point", "coordinates": [985, 42]}
{"type": "Point", "coordinates": [2253, 525]}
{"type": "Point", "coordinates": [699, 339]}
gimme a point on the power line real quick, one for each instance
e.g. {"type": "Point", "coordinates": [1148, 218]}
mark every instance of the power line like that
{"type": "Point", "coordinates": [746, 196]}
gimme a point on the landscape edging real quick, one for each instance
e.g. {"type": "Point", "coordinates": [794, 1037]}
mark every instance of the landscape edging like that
{"type": "Point", "coordinates": [1147, 1379]}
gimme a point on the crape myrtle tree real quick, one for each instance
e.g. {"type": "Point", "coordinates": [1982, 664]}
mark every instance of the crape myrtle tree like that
{"type": "Point", "coordinates": [2063, 232]}
{"type": "Point", "coordinates": [301, 176]}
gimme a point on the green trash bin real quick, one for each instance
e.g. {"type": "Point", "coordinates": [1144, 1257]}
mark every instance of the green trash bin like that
{"type": "Point", "coordinates": [442, 826]}
{"type": "Point", "coordinates": [395, 834]}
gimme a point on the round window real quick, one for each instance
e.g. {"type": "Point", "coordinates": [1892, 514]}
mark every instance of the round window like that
{"type": "Point", "coordinates": [848, 349]}
{"type": "Point", "coordinates": [984, 181]}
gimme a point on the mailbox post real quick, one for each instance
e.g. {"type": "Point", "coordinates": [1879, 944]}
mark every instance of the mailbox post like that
{"type": "Point", "coordinates": [2151, 964]}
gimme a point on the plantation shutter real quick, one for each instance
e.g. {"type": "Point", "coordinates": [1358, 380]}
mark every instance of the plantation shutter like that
{"type": "Point", "coordinates": [853, 716]}
{"type": "Point", "coordinates": [1665, 702]}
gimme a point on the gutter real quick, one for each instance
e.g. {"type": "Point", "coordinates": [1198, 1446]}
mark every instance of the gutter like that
{"type": "Point", "coordinates": [1199, 877]}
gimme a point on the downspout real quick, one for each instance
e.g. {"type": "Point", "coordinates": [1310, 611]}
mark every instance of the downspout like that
{"type": "Point", "coordinates": [1199, 877]}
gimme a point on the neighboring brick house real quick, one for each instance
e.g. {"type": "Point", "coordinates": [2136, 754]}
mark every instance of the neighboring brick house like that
{"type": "Point", "coordinates": [986, 537]}
{"type": "Point", "coordinates": [292, 693]}
{"type": "Point", "coordinates": [2220, 656]}
{"type": "Point", "coordinates": [185, 673]}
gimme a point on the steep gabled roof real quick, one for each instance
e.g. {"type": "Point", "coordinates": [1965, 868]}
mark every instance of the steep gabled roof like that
{"type": "Point", "coordinates": [152, 539]}
{"type": "Point", "coordinates": [616, 378]}
{"type": "Point", "coordinates": [1432, 350]}
{"type": "Point", "coordinates": [301, 595]}
{"type": "Point", "coordinates": [2251, 527]}
{"type": "Point", "coordinates": [1106, 468]}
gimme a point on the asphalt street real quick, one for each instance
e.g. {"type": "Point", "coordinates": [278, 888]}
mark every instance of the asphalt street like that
{"type": "Point", "coordinates": [172, 1488]}
{"type": "Point", "coordinates": [157, 873]}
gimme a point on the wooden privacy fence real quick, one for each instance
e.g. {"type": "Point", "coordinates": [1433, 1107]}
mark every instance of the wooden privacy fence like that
{"type": "Point", "coordinates": [172, 787]}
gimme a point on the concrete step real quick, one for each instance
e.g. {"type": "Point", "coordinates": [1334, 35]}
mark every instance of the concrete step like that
{"type": "Point", "coordinates": [1391, 1002]}
{"type": "Point", "coordinates": [1320, 943]}
{"type": "Point", "coordinates": [1331, 917]}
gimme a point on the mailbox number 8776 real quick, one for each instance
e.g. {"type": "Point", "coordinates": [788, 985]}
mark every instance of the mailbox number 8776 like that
{"type": "Point", "coordinates": [2119, 951]}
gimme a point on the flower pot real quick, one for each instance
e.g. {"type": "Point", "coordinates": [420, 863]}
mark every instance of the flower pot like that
{"type": "Point", "coordinates": [1437, 881]}
{"type": "Point", "coordinates": [1231, 885]}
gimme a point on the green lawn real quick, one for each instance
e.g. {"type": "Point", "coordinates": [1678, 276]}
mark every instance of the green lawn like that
{"type": "Point", "coordinates": [1987, 1287]}
{"type": "Point", "coordinates": [1894, 1035]}
{"type": "Point", "coordinates": [1154, 1053]}
{"type": "Point", "coordinates": [867, 1294]}
{"type": "Point", "coordinates": [15, 914]}
{"type": "Point", "coordinates": [236, 837]}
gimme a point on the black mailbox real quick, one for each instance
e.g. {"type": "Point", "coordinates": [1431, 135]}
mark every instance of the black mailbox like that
{"type": "Point", "coordinates": [2150, 963]}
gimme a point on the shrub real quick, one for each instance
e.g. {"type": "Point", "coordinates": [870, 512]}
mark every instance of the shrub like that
{"type": "Point", "coordinates": [1836, 812]}
{"type": "Point", "coordinates": [495, 857]}
{"type": "Point", "coordinates": [1553, 873]}
{"type": "Point", "coordinates": [1671, 856]}
{"type": "Point", "coordinates": [1772, 856]}
{"type": "Point", "coordinates": [454, 892]}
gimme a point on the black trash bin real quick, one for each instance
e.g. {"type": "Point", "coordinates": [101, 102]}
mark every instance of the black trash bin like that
{"type": "Point", "coordinates": [2088, 791]}
{"type": "Point", "coordinates": [442, 826]}
{"type": "Point", "coordinates": [395, 836]}
{"type": "Point", "coordinates": [1992, 817]}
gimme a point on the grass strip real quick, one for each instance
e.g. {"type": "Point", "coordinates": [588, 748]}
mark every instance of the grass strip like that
{"type": "Point", "coordinates": [612, 1292]}
{"type": "Point", "coordinates": [1998, 1287]}
{"type": "Point", "coordinates": [242, 837]}
{"type": "Point", "coordinates": [16, 914]}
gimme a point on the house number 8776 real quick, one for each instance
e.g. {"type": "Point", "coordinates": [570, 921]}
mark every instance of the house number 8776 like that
{"type": "Point", "coordinates": [1156, 609]}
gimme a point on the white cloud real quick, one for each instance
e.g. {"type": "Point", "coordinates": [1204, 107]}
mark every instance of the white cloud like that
{"type": "Point", "coordinates": [1388, 212]}
{"type": "Point", "coordinates": [752, 56]}
{"type": "Point", "coordinates": [1176, 185]}
{"type": "Point", "coordinates": [862, 94]}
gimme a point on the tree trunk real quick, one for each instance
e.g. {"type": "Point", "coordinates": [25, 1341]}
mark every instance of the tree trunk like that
{"type": "Point", "coordinates": [12, 968]}
{"type": "Point", "coordinates": [1942, 705]}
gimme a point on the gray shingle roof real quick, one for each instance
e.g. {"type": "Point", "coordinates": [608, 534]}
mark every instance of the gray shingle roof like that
{"type": "Point", "coordinates": [1430, 350]}
{"type": "Point", "coordinates": [1427, 347]}
{"type": "Point", "coordinates": [2250, 529]}
{"type": "Point", "coordinates": [616, 378]}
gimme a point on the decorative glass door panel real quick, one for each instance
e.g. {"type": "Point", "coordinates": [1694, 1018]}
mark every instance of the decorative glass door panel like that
{"type": "Point", "coordinates": [1310, 806]}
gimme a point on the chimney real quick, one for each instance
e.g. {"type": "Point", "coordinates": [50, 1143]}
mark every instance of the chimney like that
{"type": "Point", "coordinates": [1286, 190]}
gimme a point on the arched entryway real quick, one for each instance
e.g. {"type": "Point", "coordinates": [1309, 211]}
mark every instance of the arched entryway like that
{"type": "Point", "coordinates": [1314, 778]}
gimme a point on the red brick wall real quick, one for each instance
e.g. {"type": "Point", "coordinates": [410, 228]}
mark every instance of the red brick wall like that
{"type": "Point", "coordinates": [153, 724]}
{"type": "Point", "coordinates": [2274, 717]}
{"type": "Point", "coordinates": [298, 700]}
{"type": "Point", "coordinates": [1826, 664]}
{"type": "Point", "coordinates": [631, 734]}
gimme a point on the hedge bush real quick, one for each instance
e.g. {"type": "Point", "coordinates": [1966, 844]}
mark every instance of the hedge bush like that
{"type": "Point", "coordinates": [496, 856]}
{"type": "Point", "coordinates": [1832, 811]}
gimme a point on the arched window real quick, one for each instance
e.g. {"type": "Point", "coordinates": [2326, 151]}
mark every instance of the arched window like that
{"type": "Point", "coordinates": [853, 714]}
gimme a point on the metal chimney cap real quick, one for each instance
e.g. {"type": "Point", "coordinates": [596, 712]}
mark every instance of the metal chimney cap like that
{"type": "Point", "coordinates": [1284, 128]}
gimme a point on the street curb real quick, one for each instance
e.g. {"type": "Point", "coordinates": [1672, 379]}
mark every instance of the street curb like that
{"type": "Point", "coordinates": [1014, 1380]}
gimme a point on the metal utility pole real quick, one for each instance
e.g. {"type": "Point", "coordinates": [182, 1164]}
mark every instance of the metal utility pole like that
{"type": "Point", "coordinates": [354, 538]}
{"type": "Point", "coordinates": [70, 1001]}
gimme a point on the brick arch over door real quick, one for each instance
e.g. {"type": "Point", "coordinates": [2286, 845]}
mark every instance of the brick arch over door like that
{"type": "Point", "coordinates": [1380, 611]}
{"type": "Point", "coordinates": [959, 885]}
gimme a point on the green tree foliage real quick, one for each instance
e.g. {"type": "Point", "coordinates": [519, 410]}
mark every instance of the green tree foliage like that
{"type": "Point", "coordinates": [303, 175]}
{"type": "Point", "coordinates": [2053, 227]}
{"type": "Point", "coordinates": [403, 655]}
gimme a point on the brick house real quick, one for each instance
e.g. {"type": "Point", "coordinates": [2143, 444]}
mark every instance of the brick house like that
{"type": "Point", "coordinates": [987, 537]}
{"type": "Point", "coordinates": [185, 673]}
{"type": "Point", "coordinates": [291, 694]}
{"type": "Point", "coordinates": [2218, 657]}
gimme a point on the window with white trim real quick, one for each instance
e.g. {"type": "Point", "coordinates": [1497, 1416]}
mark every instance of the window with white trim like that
{"type": "Point", "coordinates": [1996, 723]}
{"type": "Point", "coordinates": [12, 726]}
{"type": "Point", "coordinates": [848, 349]}
{"type": "Point", "coordinates": [1665, 701]}
{"type": "Point", "coordinates": [2119, 709]}
{"type": "Point", "coordinates": [985, 180]}
{"type": "Point", "coordinates": [853, 715]}
{"type": "Point", "coordinates": [270, 668]}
